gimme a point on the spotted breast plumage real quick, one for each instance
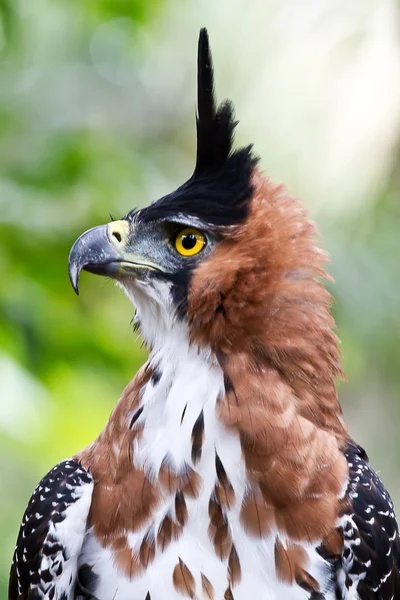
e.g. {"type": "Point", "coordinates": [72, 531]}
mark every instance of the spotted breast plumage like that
{"type": "Point", "coordinates": [226, 470]}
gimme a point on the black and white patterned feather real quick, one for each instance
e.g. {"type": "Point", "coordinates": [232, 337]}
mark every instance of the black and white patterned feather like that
{"type": "Point", "coordinates": [51, 535]}
{"type": "Point", "coordinates": [369, 568]}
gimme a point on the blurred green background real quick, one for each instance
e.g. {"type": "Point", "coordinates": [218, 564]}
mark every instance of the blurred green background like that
{"type": "Point", "coordinates": [97, 116]}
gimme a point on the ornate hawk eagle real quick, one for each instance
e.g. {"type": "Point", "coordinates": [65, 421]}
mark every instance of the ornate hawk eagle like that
{"type": "Point", "coordinates": [225, 470]}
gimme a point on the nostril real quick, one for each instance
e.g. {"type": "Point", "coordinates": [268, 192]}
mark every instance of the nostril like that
{"type": "Point", "coordinates": [117, 235]}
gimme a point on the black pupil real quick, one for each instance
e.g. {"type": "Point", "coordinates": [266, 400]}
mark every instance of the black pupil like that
{"type": "Point", "coordinates": [189, 241]}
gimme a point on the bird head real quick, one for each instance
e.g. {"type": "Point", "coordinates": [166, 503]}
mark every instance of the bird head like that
{"type": "Point", "coordinates": [229, 256]}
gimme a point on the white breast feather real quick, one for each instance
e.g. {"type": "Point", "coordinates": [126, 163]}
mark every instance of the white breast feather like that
{"type": "Point", "coordinates": [193, 379]}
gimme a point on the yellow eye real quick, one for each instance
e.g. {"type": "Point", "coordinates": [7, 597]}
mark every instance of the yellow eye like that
{"type": "Point", "coordinates": [190, 241]}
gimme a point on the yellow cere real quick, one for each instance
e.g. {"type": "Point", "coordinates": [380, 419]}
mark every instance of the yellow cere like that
{"type": "Point", "coordinates": [190, 241]}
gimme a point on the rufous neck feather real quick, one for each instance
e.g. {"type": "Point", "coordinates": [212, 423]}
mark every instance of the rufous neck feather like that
{"type": "Point", "coordinates": [259, 303]}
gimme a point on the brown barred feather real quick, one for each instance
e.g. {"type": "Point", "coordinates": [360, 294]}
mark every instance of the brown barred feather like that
{"type": "Point", "coordinates": [225, 495]}
{"type": "Point", "coordinates": [191, 483]}
{"type": "Point", "coordinates": [180, 508]}
{"type": "Point", "coordinates": [177, 531]}
{"type": "Point", "coordinates": [214, 510]}
{"type": "Point", "coordinates": [207, 587]}
{"type": "Point", "coordinates": [197, 438]}
{"type": "Point", "coordinates": [223, 490]}
{"type": "Point", "coordinates": [147, 549]}
{"type": "Point", "coordinates": [228, 594]}
{"type": "Point", "coordinates": [164, 534]}
{"type": "Point", "coordinates": [168, 478]}
{"type": "Point", "coordinates": [289, 561]}
{"type": "Point", "coordinates": [333, 543]}
{"type": "Point", "coordinates": [256, 515]}
{"type": "Point", "coordinates": [234, 569]}
{"type": "Point", "coordinates": [307, 582]}
{"type": "Point", "coordinates": [223, 540]}
{"type": "Point", "coordinates": [187, 480]}
{"type": "Point", "coordinates": [126, 560]}
{"type": "Point", "coordinates": [183, 580]}
{"type": "Point", "coordinates": [216, 517]}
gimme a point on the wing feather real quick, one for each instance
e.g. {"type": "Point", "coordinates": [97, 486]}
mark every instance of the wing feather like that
{"type": "Point", "coordinates": [371, 554]}
{"type": "Point", "coordinates": [51, 535]}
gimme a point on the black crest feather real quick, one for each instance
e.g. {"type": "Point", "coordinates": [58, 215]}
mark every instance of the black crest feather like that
{"type": "Point", "coordinates": [220, 189]}
{"type": "Point", "coordinates": [214, 127]}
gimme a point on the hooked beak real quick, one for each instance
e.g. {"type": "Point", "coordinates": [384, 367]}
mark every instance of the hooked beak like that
{"type": "Point", "coordinates": [105, 250]}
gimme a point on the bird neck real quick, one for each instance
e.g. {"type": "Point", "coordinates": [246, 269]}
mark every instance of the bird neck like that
{"type": "Point", "coordinates": [259, 302]}
{"type": "Point", "coordinates": [286, 452]}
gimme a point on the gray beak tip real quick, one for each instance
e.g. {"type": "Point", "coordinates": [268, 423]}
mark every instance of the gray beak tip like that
{"type": "Point", "coordinates": [73, 272]}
